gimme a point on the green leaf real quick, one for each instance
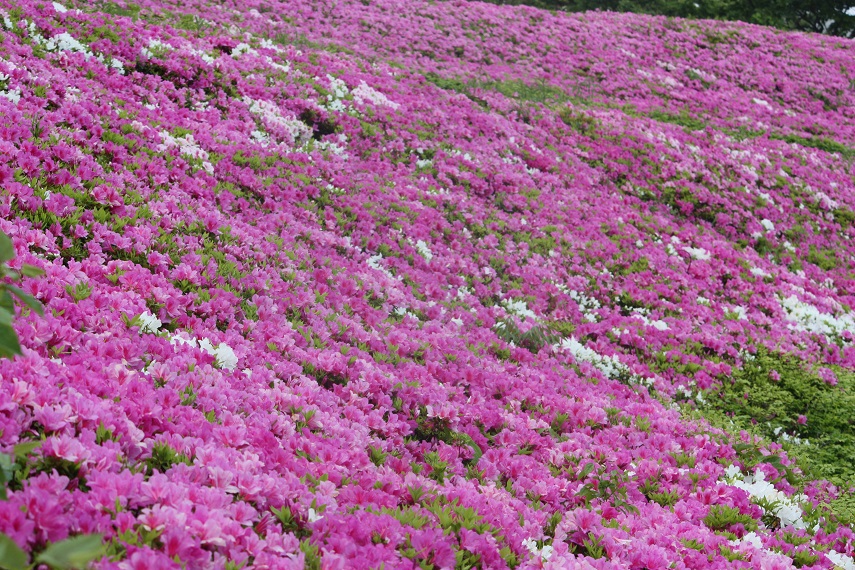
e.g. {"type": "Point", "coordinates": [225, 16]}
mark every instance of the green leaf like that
{"type": "Point", "coordinates": [586, 470]}
{"type": "Point", "coordinates": [6, 301]}
{"type": "Point", "coordinates": [7, 471]}
{"type": "Point", "coordinates": [7, 249]}
{"type": "Point", "coordinates": [74, 552]}
{"type": "Point", "coordinates": [22, 450]}
{"type": "Point", "coordinates": [27, 299]}
{"type": "Point", "coordinates": [477, 452]}
{"type": "Point", "coordinates": [9, 345]}
{"type": "Point", "coordinates": [11, 555]}
{"type": "Point", "coordinates": [28, 270]}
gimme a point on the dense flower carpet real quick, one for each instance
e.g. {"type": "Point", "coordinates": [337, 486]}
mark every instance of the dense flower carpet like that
{"type": "Point", "coordinates": [383, 284]}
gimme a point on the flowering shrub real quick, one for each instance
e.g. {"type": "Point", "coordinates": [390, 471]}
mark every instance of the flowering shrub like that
{"type": "Point", "coordinates": [382, 284]}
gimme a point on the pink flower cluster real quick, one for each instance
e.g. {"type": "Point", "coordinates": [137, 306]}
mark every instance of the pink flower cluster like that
{"type": "Point", "coordinates": [363, 284]}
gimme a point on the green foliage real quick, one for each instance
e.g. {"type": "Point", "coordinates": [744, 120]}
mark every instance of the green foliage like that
{"type": "Point", "coordinates": [70, 554]}
{"type": "Point", "coordinates": [755, 401]}
{"type": "Point", "coordinates": [9, 344]}
{"type": "Point", "coordinates": [75, 552]}
{"type": "Point", "coordinates": [11, 555]}
{"type": "Point", "coordinates": [820, 16]}
{"type": "Point", "coordinates": [129, 11]}
{"type": "Point", "coordinates": [163, 457]}
{"type": "Point", "coordinates": [532, 340]}
{"type": "Point", "coordinates": [820, 143]}
{"type": "Point", "coordinates": [377, 455]}
{"type": "Point", "coordinates": [721, 517]}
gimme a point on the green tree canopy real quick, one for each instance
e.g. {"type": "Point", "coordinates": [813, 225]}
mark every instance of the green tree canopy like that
{"type": "Point", "coordinates": [821, 16]}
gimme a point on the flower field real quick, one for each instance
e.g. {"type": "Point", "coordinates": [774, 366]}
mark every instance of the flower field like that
{"type": "Point", "coordinates": [382, 284]}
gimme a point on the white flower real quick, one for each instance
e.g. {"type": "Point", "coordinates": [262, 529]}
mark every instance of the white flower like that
{"type": "Point", "coordinates": [808, 318]}
{"type": "Point", "coordinates": [14, 96]}
{"type": "Point", "coordinates": [314, 516]}
{"type": "Point", "coordinates": [610, 366]}
{"type": "Point", "coordinates": [768, 225]}
{"type": "Point", "coordinates": [364, 93]}
{"type": "Point", "coordinates": [698, 253]}
{"type": "Point", "coordinates": [65, 42]}
{"type": "Point", "coordinates": [226, 357]}
{"type": "Point", "coordinates": [59, 7]}
{"type": "Point", "coordinates": [242, 48]}
{"type": "Point", "coordinates": [520, 308]}
{"type": "Point", "coordinates": [424, 250]}
{"type": "Point", "coordinates": [149, 323]}
{"type": "Point", "coordinates": [841, 560]}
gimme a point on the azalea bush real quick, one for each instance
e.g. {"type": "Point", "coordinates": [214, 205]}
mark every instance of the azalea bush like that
{"type": "Point", "coordinates": [367, 284]}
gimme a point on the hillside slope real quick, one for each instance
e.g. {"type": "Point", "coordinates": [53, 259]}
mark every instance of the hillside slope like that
{"type": "Point", "coordinates": [365, 284]}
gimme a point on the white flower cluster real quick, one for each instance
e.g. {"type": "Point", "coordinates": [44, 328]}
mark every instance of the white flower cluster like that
{"type": "Point", "coordinates": [424, 250]}
{"type": "Point", "coordinates": [740, 312]}
{"type": "Point", "coordinates": [785, 508]}
{"type": "Point", "coordinates": [223, 353]}
{"type": "Point", "coordinates": [374, 263]}
{"type": "Point", "coordinates": [13, 95]}
{"type": "Point", "coordinates": [339, 91]}
{"type": "Point", "coordinates": [65, 42]}
{"type": "Point", "coordinates": [187, 146]}
{"type": "Point", "coordinates": [149, 323]}
{"type": "Point", "coordinates": [290, 130]}
{"type": "Point", "coordinates": [241, 49]}
{"type": "Point", "coordinates": [520, 308]}
{"type": "Point", "coordinates": [155, 48]}
{"type": "Point", "coordinates": [334, 147]}
{"type": "Point", "coordinates": [225, 356]}
{"type": "Point", "coordinates": [698, 253]}
{"type": "Point", "coordinates": [586, 304]}
{"type": "Point", "coordinates": [806, 317]}
{"type": "Point", "coordinates": [610, 366]}
{"type": "Point", "coordinates": [545, 553]}
{"type": "Point", "coordinates": [364, 92]}
{"type": "Point", "coordinates": [841, 560]}
{"type": "Point", "coordinates": [641, 313]}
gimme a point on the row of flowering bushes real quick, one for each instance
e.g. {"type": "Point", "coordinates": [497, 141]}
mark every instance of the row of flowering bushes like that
{"type": "Point", "coordinates": [340, 284]}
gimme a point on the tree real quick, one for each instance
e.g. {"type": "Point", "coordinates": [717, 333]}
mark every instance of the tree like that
{"type": "Point", "coordinates": [820, 16]}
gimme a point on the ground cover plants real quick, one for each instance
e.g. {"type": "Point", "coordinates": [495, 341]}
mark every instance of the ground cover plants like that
{"type": "Point", "coordinates": [371, 284]}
